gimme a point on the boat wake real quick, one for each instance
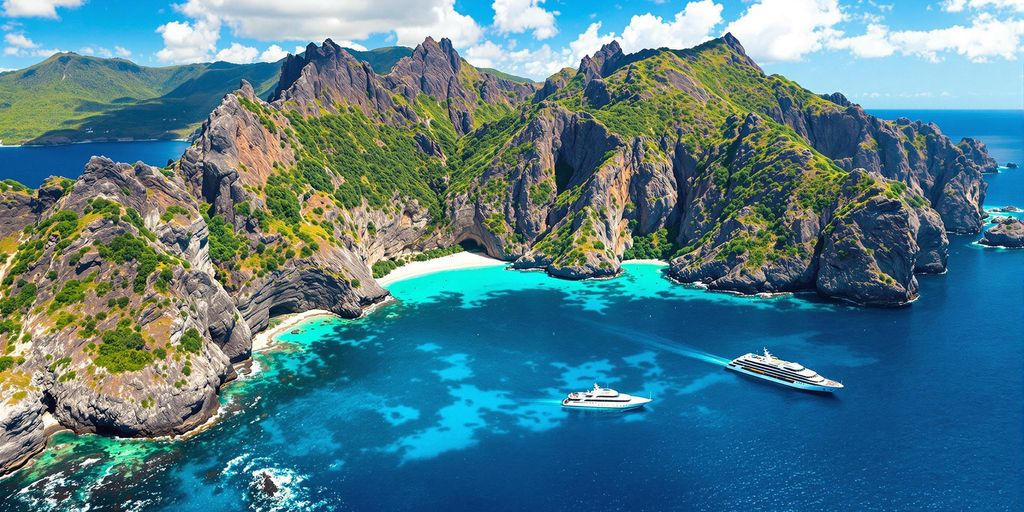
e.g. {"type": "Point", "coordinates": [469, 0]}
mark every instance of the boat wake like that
{"type": "Point", "coordinates": [663, 344]}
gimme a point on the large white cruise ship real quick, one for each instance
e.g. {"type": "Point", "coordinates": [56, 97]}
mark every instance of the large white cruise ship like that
{"type": "Point", "coordinates": [769, 367]}
{"type": "Point", "coordinates": [604, 398]}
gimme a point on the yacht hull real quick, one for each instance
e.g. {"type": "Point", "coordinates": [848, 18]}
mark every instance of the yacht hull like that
{"type": "Point", "coordinates": [798, 385]}
{"type": "Point", "coordinates": [626, 406]}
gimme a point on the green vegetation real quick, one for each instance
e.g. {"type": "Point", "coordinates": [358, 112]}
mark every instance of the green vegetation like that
{"type": "Point", "coordinates": [224, 244]}
{"type": "Point", "coordinates": [123, 350]}
{"type": "Point", "coordinates": [191, 342]}
{"type": "Point", "coordinates": [8, 362]}
{"type": "Point", "coordinates": [126, 247]}
{"type": "Point", "coordinates": [384, 267]}
{"type": "Point", "coordinates": [80, 98]}
{"type": "Point", "coordinates": [653, 246]}
{"type": "Point", "coordinates": [374, 161]}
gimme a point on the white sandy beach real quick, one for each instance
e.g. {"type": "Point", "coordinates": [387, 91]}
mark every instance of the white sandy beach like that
{"type": "Point", "coordinates": [647, 262]}
{"type": "Point", "coordinates": [265, 339]}
{"type": "Point", "coordinates": [450, 262]}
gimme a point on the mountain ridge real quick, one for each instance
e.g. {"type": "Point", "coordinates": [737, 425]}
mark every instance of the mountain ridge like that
{"type": "Point", "coordinates": [134, 286]}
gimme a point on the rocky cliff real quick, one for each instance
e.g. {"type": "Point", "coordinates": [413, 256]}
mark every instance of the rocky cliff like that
{"type": "Point", "coordinates": [129, 293]}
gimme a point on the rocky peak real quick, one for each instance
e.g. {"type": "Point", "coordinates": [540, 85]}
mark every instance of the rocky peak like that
{"type": "Point", "coordinates": [432, 69]}
{"type": "Point", "coordinates": [603, 62]}
{"type": "Point", "coordinates": [838, 99]}
{"type": "Point", "coordinates": [330, 75]}
{"type": "Point", "coordinates": [245, 89]}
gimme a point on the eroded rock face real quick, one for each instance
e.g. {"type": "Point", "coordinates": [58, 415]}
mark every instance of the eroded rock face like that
{"type": "Point", "coordinates": [869, 252]}
{"type": "Point", "coordinates": [22, 433]}
{"type": "Point", "coordinates": [1007, 232]}
{"type": "Point", "coordinates": [918, 154]}
{"type": "Point", "coordinates": [107, 306]}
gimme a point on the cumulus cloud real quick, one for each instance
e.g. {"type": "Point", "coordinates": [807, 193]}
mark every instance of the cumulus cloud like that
{"type": "Point", "coordinates": [315, 20]}
{"type": "Point", "coordinates": [443, 21]}
{"type": "Point", "coordinates": [36, 8]}
{"type": "Point", "coordinates": [19, 40]}
{"type": "Point", "coordinates": [985, 38]}
{"type": "Point", "coordinates": [273, 53]}
{"type": "Point", "coordinates": [786, 30]}
{"type": "Point", "coordinates": [873, 43]}
{"type": "Point", "coordinates": [518, 16]}
{"type": "Point", "coordinates": [188, 42]}
{"type": "Point", "coordinates": [122, 52]}
{"type": "Point", "coordinates": [19, 45]}
{"type": "Point", "coordinates": [692, 25]}
{"type": "Point", "coordinates": [688, 27]}
{"type": "Point", "coordinates": [486, 55]}
{"type": "Point", "coordinates": [238, 54]}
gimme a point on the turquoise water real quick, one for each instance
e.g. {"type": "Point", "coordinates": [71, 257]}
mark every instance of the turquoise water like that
{"type": "Point", "coordinates": [33, 164]}
{"type": "Point", "coordinates": [448, 399]}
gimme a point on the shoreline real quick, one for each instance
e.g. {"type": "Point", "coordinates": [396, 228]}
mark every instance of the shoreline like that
{"type": "Point", "coordinates": [459, 260]}
{"type": "Point", "coordinates": [661, 263]}
{"type": "Point", "coordinates": [264, 339]}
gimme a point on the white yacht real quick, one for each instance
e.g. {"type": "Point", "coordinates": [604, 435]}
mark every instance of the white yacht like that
{"type": "Point", "coordinates": [604, 398]}
{"type": "Point", "coordinates": [769, 367]}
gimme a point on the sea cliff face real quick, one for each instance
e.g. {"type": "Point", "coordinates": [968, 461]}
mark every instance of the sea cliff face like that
{"type": "Point", "coordinates": [129, 293]}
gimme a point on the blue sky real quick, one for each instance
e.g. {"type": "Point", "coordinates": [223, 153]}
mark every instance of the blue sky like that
{"type": "Point", "coordinates": [882, 54]}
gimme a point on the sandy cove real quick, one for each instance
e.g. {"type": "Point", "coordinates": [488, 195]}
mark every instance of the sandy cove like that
{"type": "Point", "coordinates": [463, 260]}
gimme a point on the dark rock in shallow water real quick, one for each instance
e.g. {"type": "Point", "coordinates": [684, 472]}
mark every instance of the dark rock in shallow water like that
{"type": "Point", "coordinates": [1008, 233]}
{"type": "Point", "coordinates": [1005, 209]}
{"type": "Point", "coordinates": [268, 486]}
{"type": "Point", "coordinates": [1011, 165]}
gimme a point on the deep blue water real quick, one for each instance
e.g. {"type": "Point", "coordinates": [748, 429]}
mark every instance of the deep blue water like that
{"type": "Point", "coordinates": [448, 400]}
{"type": "Point", "coordinates": [33, 164]}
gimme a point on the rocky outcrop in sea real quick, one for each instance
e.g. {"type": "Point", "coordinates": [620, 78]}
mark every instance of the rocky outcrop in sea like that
{"type": "Point", "coordinates": [1007, 232]}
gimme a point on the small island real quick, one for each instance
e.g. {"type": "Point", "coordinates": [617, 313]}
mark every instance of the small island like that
{"type": "Point", "coordinates": [1008, 232]}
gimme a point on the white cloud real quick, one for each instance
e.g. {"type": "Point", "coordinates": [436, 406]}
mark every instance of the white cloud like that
{"type": "Point", "coordinates": [443, 21]}
{"type": "Point", "coordinates": [19, 40]}
{"type": "Point", "coordinates": [237, 54]}
{"type": "Point", "coordinates": [518, 16]}
{"type": "Point", "coordinates": [316, 20]}
{"type": "Point", "coordinates": [122, 52]}
{"type": "Point", "coordinates": [36, 8]}
{"type": "Point", "coordinates": [689, 27]}
{"type": "Point", "coordinates": [19, 45]}
{"type": "Point", "coordinates": [485, 55]}
{"type": "Point", "coordinates": [188, 42]}
{"type": "Point", "coordinates": [960, 5]}
{"type": "Point", "coordinates": [786, 30]}
{"type": "Point", "coordinates": [537, 64]}
{"type": "Point", "coordinates": [273, 53]}
{"type": "Point", "coordinates": [987, 37]}
{"type": "Point", "coordinates": [589, 41]}
{"type": "Point", "coordinates": [872, 44]}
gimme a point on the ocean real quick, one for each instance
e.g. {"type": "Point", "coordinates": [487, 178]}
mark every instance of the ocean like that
{"type": "Point", "coordinates": [32, 164]}
{"type": "Point", "coordinates": [448, 399]}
